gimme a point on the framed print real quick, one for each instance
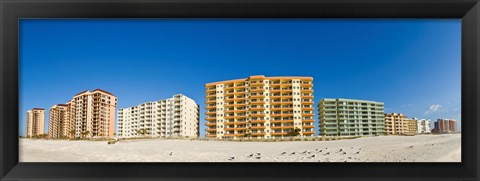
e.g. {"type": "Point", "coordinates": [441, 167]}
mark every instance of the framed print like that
{"type": "Point", "coordinates": [239, 90]}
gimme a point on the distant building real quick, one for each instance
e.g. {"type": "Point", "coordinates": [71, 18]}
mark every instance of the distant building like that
{"type": "Point", "coordinates": [35, 122]}
{"type": "Point", "coordinates": [174, 117]}
{"type": "Point", "coordinates": [399, 124]}
{"type": "Point", "coordinates": [349, 117]}
{"type": "Point", "coordinates": [444, 126]}
{"type": "Point", "coordinates": [411, 127]}
{"type": "Point", "coordinates": [423, 126]}
{"type": "Point", "coordinates": [58, 122]}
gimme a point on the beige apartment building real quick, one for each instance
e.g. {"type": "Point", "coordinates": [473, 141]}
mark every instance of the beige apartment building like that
{"type": "Point", "coordinates": [92, 114]}
{"type": "Point", "coordinates": [177, 116]}
{"type": "Point", "coordinates": [399, 124]}
{"type": "Point", "coordinates": [86, 115]}
{"type": "Point", "coordinates": [260, 107]}
{"type": "Point", "coordinates": [35, 122]}
{"type": "Point", "coordinates": [58, 122]}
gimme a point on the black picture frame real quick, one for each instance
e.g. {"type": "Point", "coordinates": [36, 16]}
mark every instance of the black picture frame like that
{"type": "Point", "coordinates": [12, 10]}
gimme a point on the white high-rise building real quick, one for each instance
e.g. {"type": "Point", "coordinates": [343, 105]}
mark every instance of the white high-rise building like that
{"type": "Point", "coordinates": [174, 117]}
{"type": "Point", "coordinates": [423, 126]}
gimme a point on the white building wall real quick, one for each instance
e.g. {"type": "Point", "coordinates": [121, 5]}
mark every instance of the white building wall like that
{"type": "Point", "coordinates": [423, 126]}
{"type": "Point", "coordinates": [174, 117]}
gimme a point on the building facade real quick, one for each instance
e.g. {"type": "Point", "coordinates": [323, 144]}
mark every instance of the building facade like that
{"type": "Point", "coordinates": [349, 117]}
{"type": "Point", "coordinates": [260, 107]}
{"type": "Point", "coordinates": [92, 114]}
{"type": "Point", "coordinates": [410, 127]}
{"type": "Point", "coordinates": [444, 126]}
{"type": "Point", "coordinates": [35, 122]}
{"type": "Point", "coordinates": [86, 115]}
{"type": "Point", "coordinates": [58, 122]}
{"type": "Point", "coordinates": [174, 117]}
{"type": "Point", "coordinates": [423, 126]}
{"type": "Point", "coordinates": [399, 124]}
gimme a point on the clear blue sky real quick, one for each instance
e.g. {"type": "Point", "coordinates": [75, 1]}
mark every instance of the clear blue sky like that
{"type": "Point", "coordinates": [413, 65]}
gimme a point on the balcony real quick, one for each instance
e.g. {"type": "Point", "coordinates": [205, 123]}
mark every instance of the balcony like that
{"type": "Point", "coordinates": [258, 134]}
{"type": "Point", "coordinates": [211, 107]}
{"type": "Point", "coordinates": [257, 108]}
{"type": "Point", "coordinates": [258, 127]}
{"type": "Point", "coordinates": [257, 96]}
{"type": "Point", "coordinates": [257, 102]}
{"type": "Point", "coordinates": [257, 90]}
{"type": "Point", "coordinates": [239, 99]}
{"type": "Point", "coordinates": [307, 108]}
{"type": "Point", "coordinates": [240, 128]}
{"type": "Point", "coordinates": [240, 104]}
{"type": "Point", "coordinates": [307, 126]}
{"type": "Point", "coordinates": [257, 115]}
{"type": "Point", "coordinates": [210, 130]}
{"type": "Point", "coordinates": [306, 84]}
{"type": "Point", "coordinates": [307, 91]}
{"type": "Point", "coordinates": [308, 133]}
{"type": "Point", "coordinates": [210, 118]}
{"type": "Point", "coordinates": [308, 121]}
{"type": "Point", "coordinates": [307, 96]}
{"type": "Point", "coordinates": [257, 121]}
{"type": "Point", "coordinates": [279, 133]}
{"type": "Point", "coordinates": [275, 90]}
{"type": "Point", "coordinates": [307, 114]}
{"type": "Point", "coordinates": [229, 129]}
{"type": "Point", "coordinates": [211, 135]}
{"type": "Point", "coordinates": [209, 113]}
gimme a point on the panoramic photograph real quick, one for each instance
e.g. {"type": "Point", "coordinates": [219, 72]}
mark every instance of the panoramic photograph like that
{"type": "Point", "coordinates": [240, 90]}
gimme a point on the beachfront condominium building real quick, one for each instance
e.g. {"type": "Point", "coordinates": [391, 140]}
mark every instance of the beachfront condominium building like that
{"type": "Point", "coordinates": [58, 122]}
{"type": "Point", "coordinates": [174, 117]}
{"type": "Point", "coordinates": [92, 114]}
{"type": "Point", "coordinates": [443, 126]}
{"type": "Point", "coordinates": [423, 126]}
{"type": "Point", "coordinates": [399, 124]}
{"type": "Point", "coordinates": [349, 117]}
{"type": "Point", "coordinates": [35, 122]}
{"type": "Point", "coordinates": [260, 107]}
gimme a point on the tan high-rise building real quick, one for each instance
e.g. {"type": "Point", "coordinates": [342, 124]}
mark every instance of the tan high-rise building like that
{"type": "Point", "coordinates": [260, 107]}
{"type": "Point", "coordinates": [92, 114]}
{"type": "Point", "coordinates": [399, 124]}
{"type": "Point", "coordinates": [58, 122]}
{"type": "Point", "coordinates": [35, 122]}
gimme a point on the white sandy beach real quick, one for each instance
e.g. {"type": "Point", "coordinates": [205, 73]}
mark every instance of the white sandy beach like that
{"type": "Point", "coordinates": [419, 148]}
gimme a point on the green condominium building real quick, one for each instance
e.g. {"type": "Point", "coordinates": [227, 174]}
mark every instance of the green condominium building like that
{"type": "Point", "coordinates": [349, 117]}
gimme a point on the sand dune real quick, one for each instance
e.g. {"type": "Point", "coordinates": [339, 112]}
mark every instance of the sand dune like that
{"type": "Point", "coordinates": [420, 148]}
